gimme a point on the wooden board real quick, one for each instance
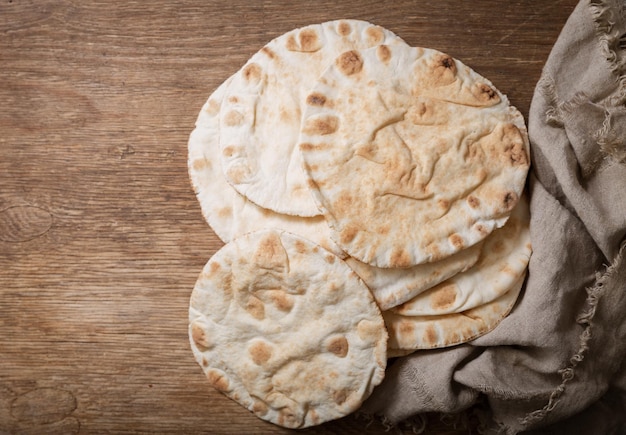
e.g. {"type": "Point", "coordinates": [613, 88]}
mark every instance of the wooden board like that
{"type": "Point", "coordinates": [101, 237]}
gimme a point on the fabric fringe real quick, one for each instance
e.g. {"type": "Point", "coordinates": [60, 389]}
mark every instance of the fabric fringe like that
{"type": "Point", "coordinates": [609, 17]}
{"type": "Point", "coordinates": [610, 142]}
{"type": "Point", "coordinates": [605, 15]}
{"type": "Point", "coordinates": [547, 88]}
{"type": "Point", "coordinates": [584, 319]}
{"type": "Point", "coordinates": [420, 423]}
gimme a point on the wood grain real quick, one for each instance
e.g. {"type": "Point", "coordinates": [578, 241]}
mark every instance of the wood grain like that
{"type": "Point", "coordinates": [101, 237]}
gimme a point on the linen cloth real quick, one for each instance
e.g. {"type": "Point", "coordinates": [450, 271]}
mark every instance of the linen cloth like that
{"type": "Point", "coordinates": [557, 363]}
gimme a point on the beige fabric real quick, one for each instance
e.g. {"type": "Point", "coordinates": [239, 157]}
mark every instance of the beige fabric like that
{"type": "Point", "coordinates": [411, 155]}
{"type": "Point", "coordinates": [436, 331]}
{"type": "Point", "coordinates": [260, 117]}
{"type": "Point", "coordinates": [503, 261]}
{"type": "Point", "coordinates": [228, 213]}
{"type": "Point", "coordinates": [394, 286]}
{"type": "Point", "coordinates": [286, 329]}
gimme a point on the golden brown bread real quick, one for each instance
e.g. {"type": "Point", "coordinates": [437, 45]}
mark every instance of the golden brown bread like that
{"type": "Point", "coordinates": [285, 328]}
{"type": "Point", "coordinates": [409, 333]}
{"type": "Point", "coordinates": [260, 117]}
{"type": "Point", "coordinates": [411, 155]}
{"type": "Point", "coordinates": [416, 162]}
{"type": "Point", "coordinates": [503, 260]}
{"type": "Point", "coordinates": [227, 212]}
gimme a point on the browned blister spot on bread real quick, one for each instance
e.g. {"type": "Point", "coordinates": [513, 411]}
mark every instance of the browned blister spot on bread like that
{"type": "Point", "coordinates": [269, 52]}
{"type": "Point", "coordinates": [282, 300]}
{"type": "Point", "coordinates": [255, 308]}
{"type": "Point", "coordinates": [199, 337]}
{"type": "Point", "coordinates": [457, 241]}
{"type": "Point", "coordinates": [430, 336]}
{"type": "Point", "coordinates": [375, 35]}
{"type": "Point", "coordinates": [514, 148]}
{"type": "Point", "coordinates": [443, 296]}
{"type": "Point", "coordinates": [238, 173]}
{"type": "Point", "coordinates": [400, 258]}
{"type": "Point", "coordinates": [433, 251]}
{"type": "Point", "coordinates": [200, 164]}
{"type": "Point", "coordinates": [308, 147]}
{"type": "Point", "coordinates": [340, 396]}
{"type": "Point", "coordinates": [348, 234]}
{"type": "Point", "coordinates": [214, 267]}
{"type": "Point", "coordinates": [473, 201]}
{"type": "Point", "coordinates": [509, 201]}
{"type": "Point", "coordinates": [485, 94]}
{"type": "Point", "coordinates": [212, 107]}
{"type": "Point", "coordinates": [259, 408]}
{"type": "Point", "coordinates": [260, 352]}
{"type": "Point", "coordinates": [383, 53]}
{"type": "Point", "coordinates": [442, 69]}
{"type": "Point", "coordinates": [405, 328]}
{"type": "Point", "coordinates": [344, 28]}
{"type": "Point", "coordinates": [350, 62]}
{"type": "Point", "coordinates": [252, 72]}
{"type": "Point", "coordinates": [308, 41]}
{"type": "Point", "coordinates": [270, 250]}
{"type": "Point", "coordinates": [344, 203]}
{"type": "Point", "coordinates": [301, 247]}
{"type": "Point", "coordinates": [316, 99]}
{"type": "Point", "coordinates": [481, 230]}
{"type": "Point", "coordinates": [368, 331]}
{"type": "Point", "coordinates": [233, 118]}
{"type": "Point", "coordinates": [338, 346]}
{"type": "Point", "coordinates": [321, 125]}
{"type": "Point", "coordinates": [225, 212]}
{"type": "Point", "coordinates": [218, 380]}
{"type": "Point", "coordinates": [229, 151]}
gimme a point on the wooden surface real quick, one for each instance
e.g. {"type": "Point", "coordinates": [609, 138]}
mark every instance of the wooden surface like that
{"type": "Point", "coordinates": [101, 237]}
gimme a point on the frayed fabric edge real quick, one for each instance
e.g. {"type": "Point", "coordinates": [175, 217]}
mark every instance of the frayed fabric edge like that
{"type": "Point", "coordinates": [419, 423]}
{"type": "Point", "coordinates": [610, 143]}
{"type": "Point", "coordinates": [609, 19]}
{"type": "Point", "coordinates": [605, 15]}
{"type": "Point", "coordinates": [585, 319]}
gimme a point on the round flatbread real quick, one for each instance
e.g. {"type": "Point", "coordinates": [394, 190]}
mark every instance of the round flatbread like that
{"type": "Point", "coordinates": [260, 117]}
{"type": "Point", "coordinates": [503, 260]}
{"type": "Point", "coordinates": [227, 212]}
{"type": "Point", "coordinates": [430, 332]}
{"type": "Point", "coordinates": [392, 287]}
{"type": "Point", "coordinates": [410, 154]}
{"type": "Point", "coordinates": [286, 329]}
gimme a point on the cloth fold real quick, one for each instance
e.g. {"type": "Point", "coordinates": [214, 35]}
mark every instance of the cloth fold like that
{"type": "Point", "coordinates": [559, 359]}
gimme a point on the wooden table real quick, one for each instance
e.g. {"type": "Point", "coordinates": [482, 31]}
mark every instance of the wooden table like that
{"type": "Point", "coordinates": [101, 236]}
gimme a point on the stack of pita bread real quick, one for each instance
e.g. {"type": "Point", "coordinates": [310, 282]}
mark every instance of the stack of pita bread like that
{"type": "Point", "coordinates": [370, 198]}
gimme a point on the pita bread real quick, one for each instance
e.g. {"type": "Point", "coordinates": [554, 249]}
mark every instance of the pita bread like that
{"type": "Point", "coordinates": [430, 332]}
{"type": "Point", "coordinates": [286, 329]}
{"type": "Point", "coordinates": [260, 117]}
{"type": "Point", "coordinates": [410, 154]}
{"type": "Point", "coordinates": [392, 287]}
{"type": "Point", "coordinates": [228, 213]}
{"type": "Point", "coordinates": [503, 260]}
